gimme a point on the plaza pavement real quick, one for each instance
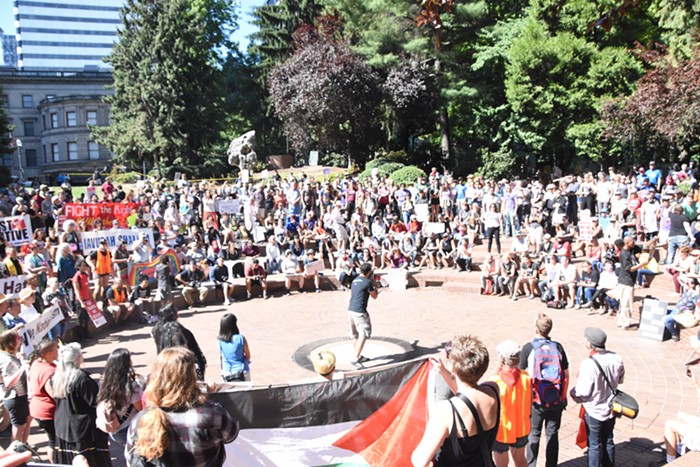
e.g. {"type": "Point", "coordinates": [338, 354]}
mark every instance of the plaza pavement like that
{"type": "Point", "coordinates": [427, 317]}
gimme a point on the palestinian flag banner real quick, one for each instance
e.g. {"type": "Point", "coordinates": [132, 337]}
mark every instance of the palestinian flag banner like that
{"type": "Point", "coordinates": [372, 419]}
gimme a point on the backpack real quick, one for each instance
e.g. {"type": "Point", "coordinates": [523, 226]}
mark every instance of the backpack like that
{"type": "Point", "coordinates": [547, 373]}
{"type": "Point", "coordinates": [107, 419]}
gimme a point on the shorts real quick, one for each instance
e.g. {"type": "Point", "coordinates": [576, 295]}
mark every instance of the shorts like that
{"type": "Point", "coordinates": [18, 408]}
{"type": "Point", "coordinates": [502, 447]}
{"type": "Point", "coordinates": [360, 324]}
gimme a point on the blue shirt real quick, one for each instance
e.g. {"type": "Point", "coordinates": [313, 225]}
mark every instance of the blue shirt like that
{"type": "Point", "coordinates": [232, 358]}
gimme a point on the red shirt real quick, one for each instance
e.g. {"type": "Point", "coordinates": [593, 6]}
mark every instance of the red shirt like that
{"type": "Point", "coordinates": [81, 284]}
{"type": "Point", "coordinates": [255, 270]}
{"type": "Point", "coordinates": [41, 405]}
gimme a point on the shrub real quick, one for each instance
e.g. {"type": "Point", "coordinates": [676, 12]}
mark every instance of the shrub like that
{"type": "Point", "coordinates": [127, 177]}
{"type": "Point", "coordinates": [374, 163]}
{"type": "Point", "coordinates": [408, 174]}
{"type": "Point", "coordinates": [383, 170]}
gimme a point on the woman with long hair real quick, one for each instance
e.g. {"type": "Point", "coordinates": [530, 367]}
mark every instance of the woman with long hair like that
{"type": "Point", "coordinates": [75, 392]}
{"type": "Point", "coordinates": [42, 405]}
{"type": "Point", "coordinates": [167, 333]}
{"type": "Point", "coordinates": [179, 426]}
{"type": "Point", "coordinates": [13, 385]}
{"type": "Point", "coordinates": [458, 427]}
{"type": "Point", "coordinates": [120, 388]}
{"type": "Point", "coordinates": [234, 351]}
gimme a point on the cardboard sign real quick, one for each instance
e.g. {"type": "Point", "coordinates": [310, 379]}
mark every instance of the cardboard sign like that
{"type": "Point", "coordinates": [16, 230]}
{"type": "Point", "coordinates": [229, 206]}
{"type": "Point", "coordinates": [149, 268]}
{"type": "Point", "coordinates": [12, 285]}
{"type": "Point", "coordinates": [39, 327]}
{"type": "Point", "coordinates": [95, 313]}
{"type": "Point", "coordinates": [90, 241]}
{"type": "Point", "coordinates": [434, 228]}
{"type": "Point", "coordinates": [314, 267]}
{"type": "Point", "coordinates": [107, 212]}
{"type": "Point", "coordinates": [651, 323]}
{"type": "Point", "coordinates": [422, 212]}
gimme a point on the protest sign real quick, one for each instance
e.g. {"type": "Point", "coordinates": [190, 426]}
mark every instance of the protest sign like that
{"type": "Point", "coordinates": [107, 212]}
{"type": "Point", "coordinates": [13, 284]}
{"type": "Point", "coordinates": [434, 228]}
{"type": "Point", "coordinates": [94, 313]}
{"type": "Point", "coordinates": [90, 241]}
{"type": "Point", "coordinates": [314, 267]}
{"type": "Point", "coordinates": [149, 269]}
{"type": "Point", "coordinates": [39, 327]}
{"type": "Point", "coordinates": [16, 230]}
{"type": "Point", "coordinates": [421, 211]}
{"type": "Point", "coordinates": [229, 206]}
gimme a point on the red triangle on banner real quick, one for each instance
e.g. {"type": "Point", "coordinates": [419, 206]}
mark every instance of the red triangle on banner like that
{"type": "Point", "coordinates": [389, 436]}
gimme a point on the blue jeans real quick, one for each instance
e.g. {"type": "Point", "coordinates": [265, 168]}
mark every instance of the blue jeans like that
{"type": "Point", "coordinates": [601, 447]}
{"type": "Point", "coordinates": [509, 223]}
{"type": "Point", "coordinates": [674, 243]}
{"type": "Point", "coordinates": [584, 292]}
{"type": "Point", "coordinates": [641, 275]}
{"type": "Point", "coordinates": [551, 419]}
{"type": "Point", "coordinates": [670, 324]}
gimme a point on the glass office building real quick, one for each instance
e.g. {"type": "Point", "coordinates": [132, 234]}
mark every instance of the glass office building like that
{"type": "Point", "coordinates": [65, 35]}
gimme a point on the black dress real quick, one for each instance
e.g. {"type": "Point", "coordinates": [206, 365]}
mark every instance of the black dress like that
{"type": "Point", "coordinates": [76, 432]}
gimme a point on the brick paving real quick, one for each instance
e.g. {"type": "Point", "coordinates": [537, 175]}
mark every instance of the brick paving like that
{"type": "Point", "coordinates": [426, 317]}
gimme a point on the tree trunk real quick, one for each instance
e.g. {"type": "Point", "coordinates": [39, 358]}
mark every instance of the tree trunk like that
{"type": "Point", "coordinates": [443, 119]}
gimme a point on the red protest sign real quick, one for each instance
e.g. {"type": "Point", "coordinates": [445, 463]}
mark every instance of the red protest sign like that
{"type": "Point", "coordinates": [107, 212]}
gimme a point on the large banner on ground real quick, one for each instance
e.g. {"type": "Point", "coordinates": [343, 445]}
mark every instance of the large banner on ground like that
{"type": "Point", "coordinates": [107, 212]}
{"type": "Point", "coordinates": [16, 230]}
{"type": "Point", "coordinates": [13, 284]}
{"type": "Point", "coordinates": [372, 419]}
{"type": "Point", "coordinates": [91, 240]}
{"type": "Point", "coordinates": [149, 269]}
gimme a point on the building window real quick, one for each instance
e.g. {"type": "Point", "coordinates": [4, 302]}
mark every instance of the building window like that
{"type": "Point", "coordinates": [54, 120]}
{"type": "Point", "coordinates": [27, 101]}
{"type": "Point", "coordinates": [93, 150]}
{"type": "Point", "coordinates": [54, 152]}
{"type": "Point", "coordinates": [31, 157]}
{"type": "Point", "coordinates": [72, 151]}
{"type": "Point", "coordinates": [28, 128]}
{"type": "Point", "coordinates": [7, 160]}
{"type": "Point", "coordinates": [70, 119]}
{"type": "Point", "coordinates": [5, 101]}
{"type": "Point", "coordinates": [91, 117]}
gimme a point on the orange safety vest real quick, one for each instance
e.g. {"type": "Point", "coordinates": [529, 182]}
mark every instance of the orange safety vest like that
{"type": "Point", "coordinates": [516, 404]}
{"type": "Point", "coordinates": [103, 264]}
{"type": "Point", "coordinates": [119, 295]}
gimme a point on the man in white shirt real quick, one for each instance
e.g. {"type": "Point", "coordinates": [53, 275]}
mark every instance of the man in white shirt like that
{"type": "Point", "coordinates": [567, 276]}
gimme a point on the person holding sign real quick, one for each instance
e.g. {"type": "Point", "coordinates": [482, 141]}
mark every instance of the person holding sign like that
{"type": "Point", "coordinates": [312, 268]}
{"type": "Point", "coordinates": [13, 383]}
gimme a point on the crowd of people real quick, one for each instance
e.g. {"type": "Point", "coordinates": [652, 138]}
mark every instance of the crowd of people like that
{"type": "Point", "coordinates": [626, 227]}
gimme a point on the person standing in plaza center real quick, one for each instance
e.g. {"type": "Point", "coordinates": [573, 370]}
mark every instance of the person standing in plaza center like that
{"type": "Point", "coordinates": [534, 357]}
{"type": "Point", "coordinates": [360, 325]}
{"type": "Point", "coordinates": [593, 389]}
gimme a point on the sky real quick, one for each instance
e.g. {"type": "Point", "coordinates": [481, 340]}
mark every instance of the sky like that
{"type": "Point", "coordinates": [7, 20]}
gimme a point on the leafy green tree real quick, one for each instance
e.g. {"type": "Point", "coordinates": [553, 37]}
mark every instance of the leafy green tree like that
{"type": "Point", "coordinates": [327, 97]}
{"type": "Point", "coordinates": [168, 86]}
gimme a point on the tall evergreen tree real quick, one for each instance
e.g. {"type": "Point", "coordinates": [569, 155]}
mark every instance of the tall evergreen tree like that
{"type": "Point", "coordinates": [168, 87]}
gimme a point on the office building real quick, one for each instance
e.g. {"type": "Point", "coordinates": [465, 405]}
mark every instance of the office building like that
{"type": "Point", "coordinates": [51, 111]}
{"type": "Point", "coordinates": [68, 35]}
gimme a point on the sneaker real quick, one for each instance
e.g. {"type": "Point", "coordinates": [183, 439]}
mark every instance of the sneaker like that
{"type": "Point", "coordinates": [227, 302]}
{"type": "Point", "coordinates": [249, 295]}
{"type": "Point", "coordinates": [530, 297]}
{"type": "Point", "coordinates": [676, 337]}
{"type": "Point", "coordinates": [265, 295]}
{"type": "Point", "coordinates": [363, 359]}
{"type": "Point", "coordinates": [318, 290]}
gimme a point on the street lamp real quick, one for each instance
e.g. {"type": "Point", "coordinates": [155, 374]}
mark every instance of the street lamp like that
{"type": "Point", "coordinates": [18, 143]}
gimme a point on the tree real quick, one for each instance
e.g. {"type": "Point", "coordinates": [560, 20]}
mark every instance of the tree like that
{"type": "Point", "coordinates": [662, 116]}
{"type": "Point", "coordinates": [168, 94]}
{"type": "Point", "coordinates": [326, 96]}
